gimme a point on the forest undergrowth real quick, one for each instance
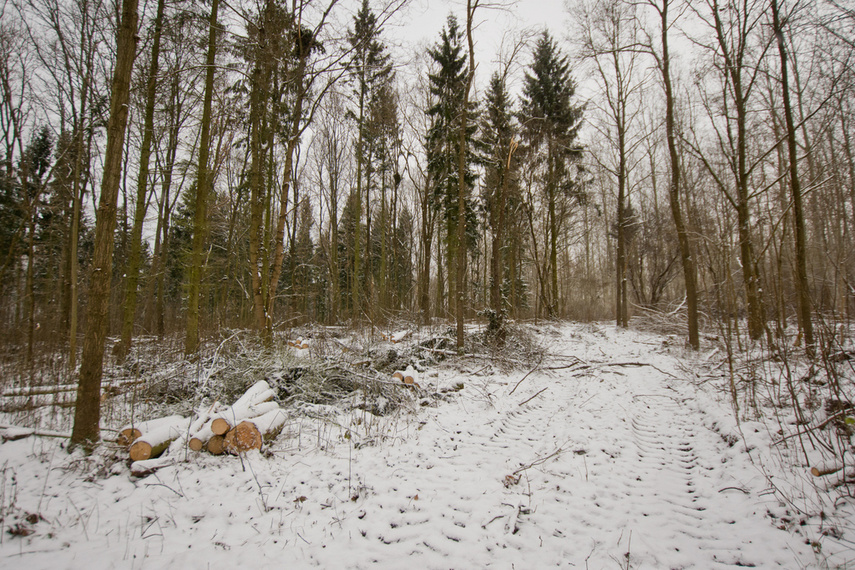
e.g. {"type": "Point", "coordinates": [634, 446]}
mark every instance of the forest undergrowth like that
{"type": "Point", "coordinates": [794, 416]}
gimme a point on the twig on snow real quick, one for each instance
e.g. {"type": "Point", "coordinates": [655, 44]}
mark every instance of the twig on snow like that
{"type": "Point", "coordinates": [606, 364]}
{"type": "Point", "coordinates": [540, 461]}
{"type": "Point", "coordinates": [734, 489]}
{"type": "Point", "coordinates": [535, 396]}
{"type": "Point", "coordinates": [819, 426]}
{"type": "Point", "coordinates": [536, 366]}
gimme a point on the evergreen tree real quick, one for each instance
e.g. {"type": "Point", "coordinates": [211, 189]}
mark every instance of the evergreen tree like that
{"type": "Point", "coordinates": [448, 88]}
{"type": "Point", "coordinates": [371, 74]}
{"type": "Point", "coordinates": [497, 147]}
{"type": "Point", "coordinates": [551, 124]}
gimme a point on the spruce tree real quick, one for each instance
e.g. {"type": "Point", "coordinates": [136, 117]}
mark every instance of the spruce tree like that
{"type": "Point", "coordinates": [371, 73]}
{"type": "Point", "coordinates": [448, 88]}
{"type": "Point", "coordinates": [551, 123]}
{"type": "Point", "coordinates": [497, 146]}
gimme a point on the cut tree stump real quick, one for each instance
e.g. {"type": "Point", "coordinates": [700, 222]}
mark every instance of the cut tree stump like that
{"type": "Point", "coordinates": [410, 376]}
{"type": "Point", "coordinates": [259, 393]}
{"type": "Point", "coordinates": [243, 438]}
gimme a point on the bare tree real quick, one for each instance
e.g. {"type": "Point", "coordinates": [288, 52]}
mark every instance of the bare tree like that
{"type": "Point", "coordinates": [203, 178]}
{"type": "Point", "coordinates": [87, 412]}
{"type": "Point", "coordinates": [737, 48]}
{"type": "Point", "coordinates": [662, 54]}
{"type": "Point", "coordinates": [463, 187]}
{"type": "Point", "coordinates": [609, 38]}
{"type": "Point", "coordinates": [133, 271]}
{"type": "Point", "coordinates": [804, 303]}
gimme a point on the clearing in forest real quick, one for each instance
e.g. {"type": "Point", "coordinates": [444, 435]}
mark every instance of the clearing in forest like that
{"type": "Point", "coordinates": [610, 453]}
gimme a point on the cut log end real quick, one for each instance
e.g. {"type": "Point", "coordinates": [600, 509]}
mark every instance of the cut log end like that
{"type": "Point", "coordinates": [196, 444]}
{"type": "Point", "coordinates": [140, 451]}
{"type": "Point", "coordinates": [216, 445]}
{"type": "Point", "coordinates": [127, 436]}
{"type": "Point", "coordinates": [823, 470]}
{"type": "Point", "coordinates": [243, 438]}
{"type": "Point", "coordinates": [220, 426]}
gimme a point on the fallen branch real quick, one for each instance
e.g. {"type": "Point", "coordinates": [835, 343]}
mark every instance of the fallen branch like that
{"type": "Point", "coordinates": [529, 373]}
{"type": "Point", "coordinates": [48, 390]}
{"type": "Point", "coordinates": [821, 425]}
{"type": "Point", "coordinates": [13, 433]}
{"type": "Point", "coordinates": [442, 351]}
{"type": "Point", "coordinates": [540, 461]}
{"type": "Point", "coordinates": [606, 364]}
{"type": "Point", "coordinates": [535, 396]}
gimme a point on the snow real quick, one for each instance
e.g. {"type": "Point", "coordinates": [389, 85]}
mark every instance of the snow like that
{"type": "Point", "coordinates": [607, 456]}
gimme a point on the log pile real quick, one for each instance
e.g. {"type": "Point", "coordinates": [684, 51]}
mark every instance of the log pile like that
{"type": "Point", "coordinates": [409, 377]}
{"type": "Point", "coordinates": [247, 424]}
{"type": "Point", "coordinates": [397, 337]}
{"type": "Point", "coordinates": [299, 344]}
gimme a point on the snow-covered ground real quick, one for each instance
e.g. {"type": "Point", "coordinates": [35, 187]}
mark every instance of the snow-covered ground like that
{"type": "Point", "coordinates": [606, 456]}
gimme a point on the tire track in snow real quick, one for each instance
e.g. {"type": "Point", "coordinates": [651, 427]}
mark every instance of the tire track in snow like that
{"type": "Point", "coordinates": [637, 482]}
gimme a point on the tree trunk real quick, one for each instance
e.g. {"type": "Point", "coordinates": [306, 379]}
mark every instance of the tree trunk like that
{"type": "Point", "coordinates": [203, 180]}
{"type": "Point", "coordinates": [498, 247]}
{"type": "Point", "coordinates": [87, 412]}
{"type": "Point", "coordinates": [334, 270]}
{"type": "Point", "coordinates": [552, 302]}
{"type": "Point", "coordinates": [689, 272]}
{"type": "Point", "coordinates": [142, 193]}
{"type": "Point", "coordinates": [29, 293]}
{"type": "Point", "coordinates": [802, 290]}
{"type": "Point", "coordinates": [426, 243]}
{"type": "Point", "coordinates": [257, 104]}
{"type": "Point", "coordinates": [460, 278]}
{"type": "Point", "coordinates": [356, 282]}
{"type": "Point", "coordinates": [620, 262]}
{"type": "Point", "coordinates": [74, 235]}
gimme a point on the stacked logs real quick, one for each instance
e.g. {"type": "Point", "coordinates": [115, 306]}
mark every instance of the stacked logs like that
{"type": "Point", "coordinates": [245, 425]}
{"type": "Point", "coordinates": [410, 377]}
{"type": "Point", "coordinates": [397, 337]}
{"type": "Point", "coordinates": [299, 344]}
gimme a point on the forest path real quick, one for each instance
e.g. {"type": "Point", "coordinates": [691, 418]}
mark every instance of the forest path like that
{"type": "Point", "coordinates": [613, 462]}
{"type": "Point", "coordinates": [606, 465]}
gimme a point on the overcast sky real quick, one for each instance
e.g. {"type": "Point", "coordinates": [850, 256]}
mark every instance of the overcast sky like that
{"type": "Point", "coordinates": [419, 25]}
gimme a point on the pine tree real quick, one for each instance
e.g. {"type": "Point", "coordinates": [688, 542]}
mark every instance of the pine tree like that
{"type": "Point", "coordinates": [551, 123]}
